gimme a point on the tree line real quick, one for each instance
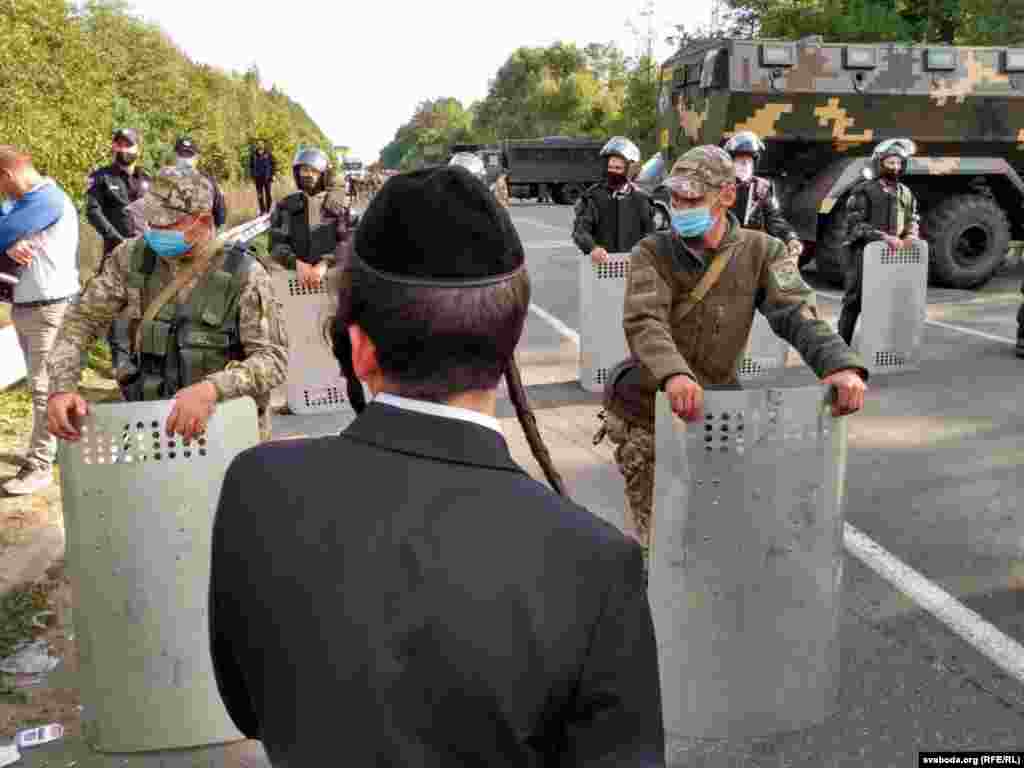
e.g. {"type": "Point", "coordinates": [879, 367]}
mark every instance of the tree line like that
{"type": "Point", "coordinates": [598, 92]}
{"type": "Point", "coordinates": [73, 72]}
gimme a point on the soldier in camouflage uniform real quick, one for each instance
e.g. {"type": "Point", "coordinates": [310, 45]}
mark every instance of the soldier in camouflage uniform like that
{"type": "Point", "coordinates": [756, 205]}
{"type": "Point", "coordinates": [303, 225]}
{"type": "Point", "coordinates": [218, 337]}
{"type": "Point", "coordinates": [879, 208]}
{"type": "Point", "coordinates": [680, 351]}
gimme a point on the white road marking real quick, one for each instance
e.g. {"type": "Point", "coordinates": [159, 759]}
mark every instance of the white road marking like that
{"type": "Point", "coordinates": [1002, 650]}
{"type": "Point", "coordinates": [940, 324]}
{"type": "Point", "coordinates": [555, 323]}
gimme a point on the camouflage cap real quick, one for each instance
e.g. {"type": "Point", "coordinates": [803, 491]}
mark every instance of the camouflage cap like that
{"type": "Point", "coordinates": [700, 170]}
{"type": "Point", "coordinates": [174, 194]}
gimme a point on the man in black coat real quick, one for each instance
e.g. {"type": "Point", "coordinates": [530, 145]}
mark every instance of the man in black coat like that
{"type": "Point", "coordinates": [404, 593]}
{"type": "Point", "coordinates": [262, 169]}
{"type": "Point", "coordinates": [614, 215]}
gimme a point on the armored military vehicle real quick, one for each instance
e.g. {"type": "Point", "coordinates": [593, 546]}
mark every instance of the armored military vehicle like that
{"type": "Point", "coordinates": [822, 107]}
{"type": "Point", "coordinates": [565, 166]}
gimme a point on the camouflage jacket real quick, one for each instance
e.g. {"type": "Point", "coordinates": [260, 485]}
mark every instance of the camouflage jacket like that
{"type": "Point", "coordinates": [108, 293]}
{"type": "Point", "coordinates": [757, 207]}
{"type": "Point", "coordinates": [874, 210]}
{"type": "Point", "coordinates": [709, 342]}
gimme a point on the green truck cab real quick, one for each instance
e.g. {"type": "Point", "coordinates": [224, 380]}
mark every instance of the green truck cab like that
{"type": "Point", "coordinates": [822, 107]}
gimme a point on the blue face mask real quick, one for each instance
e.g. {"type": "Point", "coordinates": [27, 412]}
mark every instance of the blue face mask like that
{"type": "Point", "coordinates": [6, 205]}
{"type": "Point", "coordinates": [166, 242]}
{"type": "Point", "coordinates": [692, 222]}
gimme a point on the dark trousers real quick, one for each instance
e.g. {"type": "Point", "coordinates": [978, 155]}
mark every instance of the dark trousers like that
{"type": "Point", "coordinates": [1020, 327]}
{"type": "Point", "coordinates": [263, 195]}
{"type": "Point", "coordinates": [853, 279]}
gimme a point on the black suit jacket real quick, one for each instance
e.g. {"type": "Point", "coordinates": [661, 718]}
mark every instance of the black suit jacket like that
{"type": "Point", "coordinates": [404, 594]}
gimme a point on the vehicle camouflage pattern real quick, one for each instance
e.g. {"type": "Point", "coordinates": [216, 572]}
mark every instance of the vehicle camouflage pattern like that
{"type": "Point", "coordinates": [822, 107]}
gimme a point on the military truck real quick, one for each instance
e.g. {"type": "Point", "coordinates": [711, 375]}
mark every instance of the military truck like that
{"type": "Point", "coordinates": [822, 107]}
{"type": "Point", "coordinates": [565, 166]}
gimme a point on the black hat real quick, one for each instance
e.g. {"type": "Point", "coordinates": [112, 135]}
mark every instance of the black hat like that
{"type": "Point", "coordinates": [185, 146]}
{"type": "Point", "coordinates": [438, 227]}
{"type": "Point", "coordinates": [128, 134]}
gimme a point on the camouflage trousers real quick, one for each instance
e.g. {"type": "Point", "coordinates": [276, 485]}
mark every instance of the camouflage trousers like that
{"type": "Point", "coordinates": [634, 456]}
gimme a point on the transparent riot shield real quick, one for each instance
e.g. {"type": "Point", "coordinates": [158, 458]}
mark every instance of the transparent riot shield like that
{"type": "Point", "coordinates": [138, 513]}
{"type": "Point", "coordinates": [315, 383]}
{"type": "Point", "coordinates": [746, 563]}
{"type": "Point", "coordinates": [894, 307]}
{"type": "Point", "coordinates": [765, 351]}
{"type": "Point", "coordinates": [602, 340]}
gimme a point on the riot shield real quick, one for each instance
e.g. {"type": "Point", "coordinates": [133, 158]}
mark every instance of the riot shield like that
{"type": "Point", "coordinates": [746, 563]}
{"type": "Point", "coordinates": [138, 513]}
{"type": "Point", "coordinates": [765, 351]}
{"type": "Point", "coordinates": [315, 383]}
{"type": "Point", "coordinates": [602, 340]}
{"type": "Point", "coordinates": [894, 307]}
{"type": "Point", "coordinates": [12, 359]}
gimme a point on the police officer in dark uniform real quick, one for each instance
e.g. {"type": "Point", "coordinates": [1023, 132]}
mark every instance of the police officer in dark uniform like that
{"type": "Point", "coordinates": [471, 616]}
{"type": "Point", "coordinates": [111, 190]}
{"type": "Point", "coordinates": [756, 205]}
{"type": "Point", "coordinates": [879, 208]}
{"type": "Point", "coordinates": [614, 215]}
{"type": "Point", "coordinates": [187, 153]}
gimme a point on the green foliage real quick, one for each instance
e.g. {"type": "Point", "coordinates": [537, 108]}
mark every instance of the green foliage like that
{"type": "Point", "coordinates": [955, 22]}
{"type": "Point", "coordinates": [72, 72]}
{"type": "Point", "coordinates": [558, 90]}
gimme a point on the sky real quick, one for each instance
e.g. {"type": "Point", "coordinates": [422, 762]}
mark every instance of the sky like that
{"type": "Point", "coordinates": [360, 68]}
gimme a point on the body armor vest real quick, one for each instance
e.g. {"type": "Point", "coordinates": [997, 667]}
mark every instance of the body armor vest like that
{"type": "Point", "coordinates": [186, 342]}
{"type": "Point", "coordinates": [886, 212]}
{"type": "Point", "coordinates": [307, 242]}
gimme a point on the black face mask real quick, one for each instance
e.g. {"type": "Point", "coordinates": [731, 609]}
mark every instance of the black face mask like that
{"type": "Point", "coordinates": [124, 159]}
{"type": "Point", "coordinates": [307, 185]}
{"type": "Point", "coordinates": [615, 180]}
{"type": "Point", "coordinates": [890, 174]}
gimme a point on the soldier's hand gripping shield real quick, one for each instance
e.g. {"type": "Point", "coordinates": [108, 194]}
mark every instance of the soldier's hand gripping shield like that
{"type": "Point", "coordinates": [747, 528]}
{"type": "Point", "coordinates": [139, 509]}
{"type": "Point", "coordinates": [623, 147]}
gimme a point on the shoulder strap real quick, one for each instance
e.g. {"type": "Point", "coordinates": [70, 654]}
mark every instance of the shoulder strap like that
{"type": "Point", "coordinates": [143, 258]}
{"type": "Point", "coordinates": [707, 281]}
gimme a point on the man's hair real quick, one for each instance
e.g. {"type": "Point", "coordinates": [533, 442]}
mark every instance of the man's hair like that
{"type": "Point", "coordinates": [435, 343]}
{"type": "Point", "coordinates": [13, 159]}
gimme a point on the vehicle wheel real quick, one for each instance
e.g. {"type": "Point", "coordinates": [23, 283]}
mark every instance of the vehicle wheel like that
{"type": "Point", "coordinates": [828, 251]}
{"type": "Point", "coordinates": [570, 193]}
{"type": "Point", "coordinates": [967, 237]}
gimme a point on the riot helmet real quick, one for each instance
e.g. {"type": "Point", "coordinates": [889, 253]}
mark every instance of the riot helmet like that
{"type": "Point", "coordinates": [622, 147]}
{"type": "Point", "coordinates": [901, 148]}
{"type": "Point", "coordinates": [652, 172]}
{"type": "Point", "coordinates": [745, 143]}
{"type": "Point", "coordinates": [745, 149]}
{"type": "Point", "coordinates": [314, 179]}
{"type": "Point", "coordinates": [471, 163]}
